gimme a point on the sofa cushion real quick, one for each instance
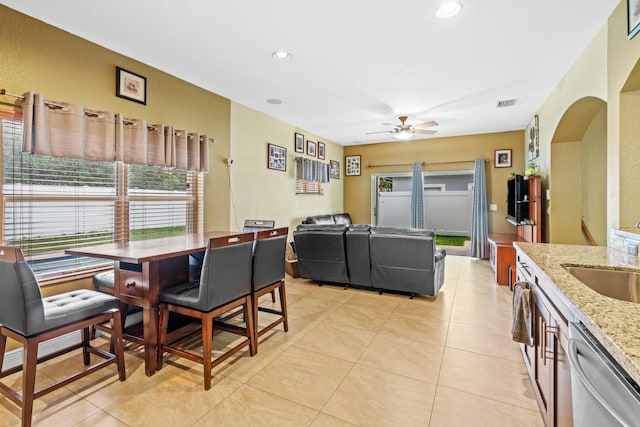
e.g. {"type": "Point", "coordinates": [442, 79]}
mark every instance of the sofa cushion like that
{"type": "Point", "coordinates": [341, 218]}
{"type": "Point", "coordinates": [340, 228]}
{"type": "Point", "coordinates": [359, 227]}
{"type": "Point", "coordinates": [405, 231]}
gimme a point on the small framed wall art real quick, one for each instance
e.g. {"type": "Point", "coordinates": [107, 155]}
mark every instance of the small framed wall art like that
{"type": "Point", "coordinates": [298, 141]}
{"type": "Point", "coordinates": [351, 165]}
{"type": "Point", "coordinates": [533, 142]}
{"type": "Point", "coordinates": [311, 148]}
{"type": "Point", "coordinates": [321, 148]}
{"type": "Point", "coordinates": [276, 157]}
{"type": "Point", "coordinates": [131, 86]}
{"type": "Point", "coordinates": [503, 158]}
{"type": "Point", "coordinates": [334, 169]}
{"type": "Point", "coordinates": [633, 18]}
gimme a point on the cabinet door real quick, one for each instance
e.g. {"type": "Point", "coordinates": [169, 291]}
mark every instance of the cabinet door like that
{"type": "Point", "coordinates": [563, 412]}
{"type": "Point", "coordinates": [544, 349]}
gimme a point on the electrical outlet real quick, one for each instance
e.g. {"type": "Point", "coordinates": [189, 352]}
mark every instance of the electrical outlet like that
{"type": "Point", "coordinates": [493, 207]}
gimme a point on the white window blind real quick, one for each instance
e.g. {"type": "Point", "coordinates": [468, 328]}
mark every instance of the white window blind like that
{"type": "Point", "coordinates": [52, 204]}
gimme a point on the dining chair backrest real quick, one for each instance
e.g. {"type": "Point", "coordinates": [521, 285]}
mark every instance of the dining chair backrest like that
{"type": "Point", "coordinates": [21, 306]}
{"type": "Point", "coordinates": [268, 257]}
{"type": "Point", "coordinates": [226, 270]}
{"type": "Point", "coordinates": [258, 224]}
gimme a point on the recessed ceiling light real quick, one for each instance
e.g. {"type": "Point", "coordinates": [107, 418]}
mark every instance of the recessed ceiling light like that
{"type": "Point", "coordinates": [281, 56]}
{"type": "Point", "coordinates": [274, 101]}
{"type": "Point", "coordinates": [449, 9]}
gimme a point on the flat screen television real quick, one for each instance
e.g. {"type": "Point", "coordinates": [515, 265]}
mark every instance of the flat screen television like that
{"type": "Point", "coordinates": [517, 199]}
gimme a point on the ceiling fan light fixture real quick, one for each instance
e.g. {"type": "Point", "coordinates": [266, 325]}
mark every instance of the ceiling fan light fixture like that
{"type": "Point", "coordinates": [403, 134]}
{"type": "Point", "coordinates": [449, 9]}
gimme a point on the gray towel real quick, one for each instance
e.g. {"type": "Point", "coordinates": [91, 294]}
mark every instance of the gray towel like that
{"type": "Point", "coordinates": [521, 328]}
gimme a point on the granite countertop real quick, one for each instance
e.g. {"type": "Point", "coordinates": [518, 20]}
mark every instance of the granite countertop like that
{"type": "Point", "coordinates": [615, 323]}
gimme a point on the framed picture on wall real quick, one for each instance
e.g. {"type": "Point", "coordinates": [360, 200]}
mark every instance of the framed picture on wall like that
{"type": "Point", "coordinates": [503, 158]}
{"type": "Point", "coordinates": [131, 86]}
{"type": "Point", "coordinates": [533, 142]}
{"type": "Point", "coordinates": [311, 148]}
{"type": "Point", "coordinates": [334, 169]}
{"type": "Point", "coordinates": [321, 150]}
{"type": "Point", "coordinates": [633, 18]}
{"type": "Point", "coordinates": [276, 157]}
{"type": "Point", "coordinates": [351, 165]}
{"type": "Point", "coordinates": [298, 141]}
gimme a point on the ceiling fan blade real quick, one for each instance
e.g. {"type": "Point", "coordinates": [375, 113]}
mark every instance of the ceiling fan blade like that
{"type": "Point", "coordinates": [382, 131]}
{"type": "Point", "coordinates": [425, 131]}
{"type": "Point", "coordinates": [387, 124]}
{"type": "Point", "coordinates": [426, 124]}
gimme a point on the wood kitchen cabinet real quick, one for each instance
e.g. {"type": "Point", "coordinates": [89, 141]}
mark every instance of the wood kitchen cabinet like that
{"type": "Point", "coordinates": [546, 358]}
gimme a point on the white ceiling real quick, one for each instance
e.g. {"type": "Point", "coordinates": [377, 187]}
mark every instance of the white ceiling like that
{"type": "Point", "coordinates": [356, 63]}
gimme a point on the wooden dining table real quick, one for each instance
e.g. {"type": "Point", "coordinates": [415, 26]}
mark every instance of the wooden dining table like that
{"type": "Point", "coordinates": [145, 267]}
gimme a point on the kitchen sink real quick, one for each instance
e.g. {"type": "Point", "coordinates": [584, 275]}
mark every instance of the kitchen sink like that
{"type": "Point", "coordinates": [618, 284]}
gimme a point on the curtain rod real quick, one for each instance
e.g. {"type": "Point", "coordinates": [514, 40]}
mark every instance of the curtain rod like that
{"type": "Point", "coordinates": [424, 163]}
{"type": "Point", "coordinates": [4, 92]}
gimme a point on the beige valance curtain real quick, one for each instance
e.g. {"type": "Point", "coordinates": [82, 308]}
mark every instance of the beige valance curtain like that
{"type": "Point", "coordinates": [60, 129]}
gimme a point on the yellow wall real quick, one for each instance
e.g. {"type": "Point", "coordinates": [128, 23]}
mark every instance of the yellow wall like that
{"type": "Point", "coordinates": [357, 189]}
{"type": "Point", "coordinates": [623, 150]}
{"type": "Point", "coordinates": [585, 80]}
{"type": "Point", "coordinates": [594, 178]}
{"type": "Point", "coordinates": [261, 193]}
{"type": "Point", "coordinates": [566, 195]}
{"type": "Point", "coordinates": [40, 58]}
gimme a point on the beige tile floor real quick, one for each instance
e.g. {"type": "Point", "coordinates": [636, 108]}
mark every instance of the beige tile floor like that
{"type": "Point", "coordinates": [350, 358]}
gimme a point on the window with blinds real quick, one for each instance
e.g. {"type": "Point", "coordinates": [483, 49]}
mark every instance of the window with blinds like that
{"type": "Point", "coordinates": [52, 204]}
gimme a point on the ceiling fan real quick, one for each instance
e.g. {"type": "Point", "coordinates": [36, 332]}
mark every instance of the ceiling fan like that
{"type": "Point", "coordinates": [405, 131]}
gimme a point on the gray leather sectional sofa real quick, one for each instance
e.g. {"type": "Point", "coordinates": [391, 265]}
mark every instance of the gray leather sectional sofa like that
{"type": "Point", "coordinates": [394, 259]}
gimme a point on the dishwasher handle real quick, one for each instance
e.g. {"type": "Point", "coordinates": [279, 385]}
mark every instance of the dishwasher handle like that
{"type": "Point", "coordinates": [575, 347]}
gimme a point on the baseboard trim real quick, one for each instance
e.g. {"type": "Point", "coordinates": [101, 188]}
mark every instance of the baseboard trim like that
{"type": "Point", "coordinates": [15, 357]}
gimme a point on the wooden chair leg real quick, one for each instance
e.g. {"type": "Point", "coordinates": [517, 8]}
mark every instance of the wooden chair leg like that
{"type": "Point", "coordinates": [117, 344]}
{"type": "Point", "coordinates": [207, 338]}
{"type": "Point", "coordinates": [254, 308]}
{"type": "Point", "coordinates": [273, 295]}
{"type": "Point", "coordinates": [162, 333]}
{"type": "Point", "coordinates": [251, 329]}
{"type": "Point", "coordinates": [30, 360]}
{"type": "Point", "coordinates": [3, 347]}
{"type": "Point", "coordinates": [283, 306]}
{"type": "Point", "coordinates": [86, 357]}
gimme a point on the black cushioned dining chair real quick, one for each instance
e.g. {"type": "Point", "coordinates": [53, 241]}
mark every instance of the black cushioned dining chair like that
{"type": "Point", "coordinates": [28, 318]}
{"type": "Point", "coordinates": [268, 275]}
{"type": "Point", "coordinates": [256, 225]}
{"type": "Point", "coordinates": [224, 285]}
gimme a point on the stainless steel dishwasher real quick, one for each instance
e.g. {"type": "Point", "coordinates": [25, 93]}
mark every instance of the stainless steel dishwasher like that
{"type": "Point", "coordinates": [602, 392]}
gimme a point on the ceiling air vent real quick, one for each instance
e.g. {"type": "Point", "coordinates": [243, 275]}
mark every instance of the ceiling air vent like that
{"type": "Point", "coordinates": [506, 103]}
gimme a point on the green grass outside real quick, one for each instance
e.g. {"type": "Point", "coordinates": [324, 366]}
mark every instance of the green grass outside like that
{"type": "Point", "coordinates": [69, 241]}
{"type": "Point", "coordinates": [451, 240]}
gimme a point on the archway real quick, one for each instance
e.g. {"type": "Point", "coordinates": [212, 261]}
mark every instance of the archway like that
{"type": "Point", "coordinates": [630, 150]}
{"type": "Point", "coordinates": [578, 175]}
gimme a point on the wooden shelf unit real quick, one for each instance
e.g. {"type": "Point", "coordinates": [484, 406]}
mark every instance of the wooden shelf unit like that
{"type": "Point", "coordinates": [531, 230]}
{"type": "Point", "coordinates": [502, 254]}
